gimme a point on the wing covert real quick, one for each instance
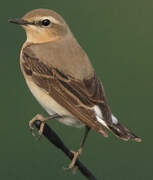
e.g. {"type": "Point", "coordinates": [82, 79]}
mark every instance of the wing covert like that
{"type": "Point", "coordinates": [78, 97]}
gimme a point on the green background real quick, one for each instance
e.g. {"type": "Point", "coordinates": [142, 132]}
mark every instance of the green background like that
{"type": "Point", "coordinates": [118, 37]}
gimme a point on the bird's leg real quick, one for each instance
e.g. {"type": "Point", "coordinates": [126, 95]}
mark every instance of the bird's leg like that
{"type": "Point", "coordinates": [43, 121]}
{"type": "Point", "coordinates": [79, 152]}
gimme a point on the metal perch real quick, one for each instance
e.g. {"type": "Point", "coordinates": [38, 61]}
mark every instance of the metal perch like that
{"type": "Point", "coordinates": [50, 134]}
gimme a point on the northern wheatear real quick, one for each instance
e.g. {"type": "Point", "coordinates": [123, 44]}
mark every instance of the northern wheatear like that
{"type": "Point", "coordinates": [60, 76]}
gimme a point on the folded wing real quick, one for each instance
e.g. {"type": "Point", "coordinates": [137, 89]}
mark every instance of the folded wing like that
{"type": "Point", "coordinates": [85, 99]}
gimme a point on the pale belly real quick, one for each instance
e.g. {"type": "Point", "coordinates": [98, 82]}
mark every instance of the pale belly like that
{"type": "Point", "coordinates": [51, 106]}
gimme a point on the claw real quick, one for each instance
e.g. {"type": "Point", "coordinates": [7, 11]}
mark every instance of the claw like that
{"type": "Point", "coordinates": [43, 120]}
{"type": "Point", "coordinates": [41, 128]}
{"type": "Point", "coordinates": [31, 128]}
{"type": "Point", "coordinates": [31, 122]}
{"type": "Point", "coordinates": [76, 156]}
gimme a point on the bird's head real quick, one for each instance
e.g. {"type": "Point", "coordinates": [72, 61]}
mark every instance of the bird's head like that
{"type": "Point", "coordinates": [42, 25]}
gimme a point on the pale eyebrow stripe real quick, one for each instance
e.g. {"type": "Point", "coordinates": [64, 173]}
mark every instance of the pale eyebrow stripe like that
{"type": "Point", "coordinates": [53, 20]}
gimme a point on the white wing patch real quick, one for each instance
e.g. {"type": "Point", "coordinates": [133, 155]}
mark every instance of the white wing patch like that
{"type": "Point", "coordinates": [99, 115]}
{"type": "Point", "coordinates": [114, 119]}
{"type": "Point", "coordinates": [101, 121]}
{"type": "Point", "coordinates": [98, 111]}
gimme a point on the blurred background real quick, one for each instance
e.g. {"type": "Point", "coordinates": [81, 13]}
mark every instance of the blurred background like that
{"type": "Point", "coordinates": [118, 37]}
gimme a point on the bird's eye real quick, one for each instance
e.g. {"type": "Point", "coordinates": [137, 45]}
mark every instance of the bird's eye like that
{"type": "Point", "coordinates": [46, 22]}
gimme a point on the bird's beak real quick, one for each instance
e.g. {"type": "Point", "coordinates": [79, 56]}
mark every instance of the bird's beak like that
{"type": "Point", "coordinates": [19, 21]}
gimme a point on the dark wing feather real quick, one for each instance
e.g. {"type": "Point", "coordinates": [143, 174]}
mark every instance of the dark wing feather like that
{"type": "Point", "coordinates": [78, 97]}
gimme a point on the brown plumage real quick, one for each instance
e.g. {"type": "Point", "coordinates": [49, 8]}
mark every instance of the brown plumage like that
{"type": "Point", "coordinates": [60, 76]}
{"type": "Point", "coordinates": [70, 90]}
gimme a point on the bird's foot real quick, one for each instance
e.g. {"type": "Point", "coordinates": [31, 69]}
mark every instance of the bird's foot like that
{"type": "Point", "coordinates": [40, 118]}
{"type": "Point", "coordinates": [76, 156]}
{"type": "Point", "coordinates": [43, 121]}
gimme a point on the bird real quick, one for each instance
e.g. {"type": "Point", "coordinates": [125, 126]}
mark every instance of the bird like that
{"type": "Point", "coordinates": [61, 77]}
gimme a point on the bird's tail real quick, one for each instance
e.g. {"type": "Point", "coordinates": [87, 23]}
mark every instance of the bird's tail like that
{"type": "Point", "coordinates": [122, 131]}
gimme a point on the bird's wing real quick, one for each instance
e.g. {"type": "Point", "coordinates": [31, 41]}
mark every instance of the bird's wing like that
{"type": "Point", "coordinates": [78, 97]}
{"type": "Point", "coordinates": [84, 99]}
